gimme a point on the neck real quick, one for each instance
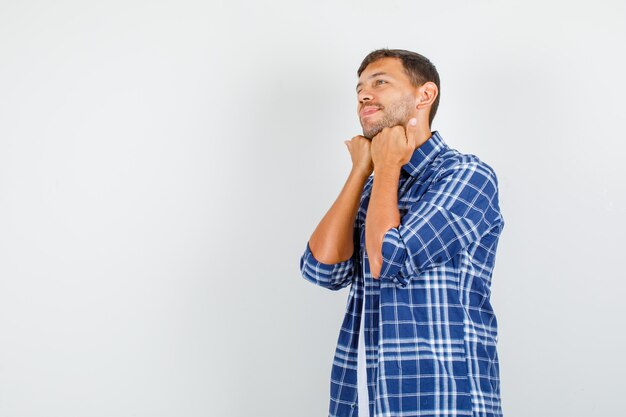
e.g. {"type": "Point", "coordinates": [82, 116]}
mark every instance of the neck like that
{"type": "Point", "coordinates": [423, 134]}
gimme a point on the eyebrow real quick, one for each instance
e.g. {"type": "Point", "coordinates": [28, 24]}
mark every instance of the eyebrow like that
{"type": "Point", "coordinates": [376, 74]}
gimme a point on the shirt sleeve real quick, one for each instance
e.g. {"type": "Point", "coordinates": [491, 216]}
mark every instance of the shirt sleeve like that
{"type": "Point", "coordinates": [458, 208]}
{"type": "Point", "coordinates": [332, 276]}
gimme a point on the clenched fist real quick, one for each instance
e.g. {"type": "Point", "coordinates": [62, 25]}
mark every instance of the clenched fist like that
{"type": "Point", "coordinates": [394, 146]}
{"type": "Point", "coordinates": [359, 148]}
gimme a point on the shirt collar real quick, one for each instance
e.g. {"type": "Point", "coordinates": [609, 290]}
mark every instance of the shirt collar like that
{"type": "Point", "coordinates": [423, 155]}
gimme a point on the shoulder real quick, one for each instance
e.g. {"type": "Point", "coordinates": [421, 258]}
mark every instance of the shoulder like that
{"type": "Point", "coordinates": [465, 181]}
{"type": "Point", "coordinates": [451, 162]}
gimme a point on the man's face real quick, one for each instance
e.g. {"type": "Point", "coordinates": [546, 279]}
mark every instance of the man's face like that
{"type": "Point", "coordinates": [385, 95]}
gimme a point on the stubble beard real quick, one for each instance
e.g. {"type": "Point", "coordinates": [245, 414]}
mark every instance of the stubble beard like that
{"type": "Point", "coordinates": [396, 114]}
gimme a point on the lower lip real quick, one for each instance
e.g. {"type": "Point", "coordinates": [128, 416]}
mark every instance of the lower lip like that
{"type": "Point", "coordinates": [369, 113]}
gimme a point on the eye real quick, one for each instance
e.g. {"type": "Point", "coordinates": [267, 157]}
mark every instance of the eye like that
{"type": "Point", "coordinates": [377, 82]}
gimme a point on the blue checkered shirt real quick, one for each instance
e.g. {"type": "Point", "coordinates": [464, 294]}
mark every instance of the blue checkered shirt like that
{"type": "Point", "coordinates": [430, 330]}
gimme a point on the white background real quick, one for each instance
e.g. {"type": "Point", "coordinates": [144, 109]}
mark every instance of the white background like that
{"type": "Point", "coordinates": [163, 164]}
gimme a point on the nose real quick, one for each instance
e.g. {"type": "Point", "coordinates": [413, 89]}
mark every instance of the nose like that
{"type": "Point", "coordinates": [364, 95]}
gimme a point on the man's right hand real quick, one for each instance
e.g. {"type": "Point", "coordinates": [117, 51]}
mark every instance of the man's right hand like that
{"type": "Point", "coordinates": [359, 148]}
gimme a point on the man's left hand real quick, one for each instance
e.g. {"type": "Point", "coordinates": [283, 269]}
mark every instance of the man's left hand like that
{"type": "Point", "coordinates": [394, 146]}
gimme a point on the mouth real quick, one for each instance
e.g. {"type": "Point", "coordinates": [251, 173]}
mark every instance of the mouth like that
{"type": "Point", "coordinates": [368, 111]}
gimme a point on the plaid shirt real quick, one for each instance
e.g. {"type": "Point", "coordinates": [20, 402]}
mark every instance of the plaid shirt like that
{"type": "Point", "coordinates": [430, 330]}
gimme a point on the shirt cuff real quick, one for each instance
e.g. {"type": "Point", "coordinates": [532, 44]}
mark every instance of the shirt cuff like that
{"type": "Point", "coordinates": [394, 257]}
{"type": "Point", "coordinates": [327, 275]}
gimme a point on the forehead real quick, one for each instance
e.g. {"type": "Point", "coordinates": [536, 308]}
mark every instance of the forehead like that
{"type": "Point", "coordinates": [389, 65]}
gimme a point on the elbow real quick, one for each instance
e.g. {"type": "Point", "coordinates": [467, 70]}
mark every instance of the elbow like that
{"type": "Point", "coordinates": [332, 276]}
{"type": "Point", "coordinates": [374, 239]}
{"type": "Point", "coordinates": [376, 263]}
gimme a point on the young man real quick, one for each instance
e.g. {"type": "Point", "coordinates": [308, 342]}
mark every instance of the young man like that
{"type": "Point", "coordinates": [414, 231]}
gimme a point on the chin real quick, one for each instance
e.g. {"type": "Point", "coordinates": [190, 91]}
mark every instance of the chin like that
{"type": "Point", "coordinates": [368, 134]}
{"type": "Point", "coordinates": [371, 133]}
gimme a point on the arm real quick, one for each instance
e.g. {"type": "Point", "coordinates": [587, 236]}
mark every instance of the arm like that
{"type": "Point", "coordinates": [332, 240]}
{"type": "Point", "coordinates": [391, 149]}
{"type": "Point", "coordinates": [328, 257]}
{"type": "Point", "coordinates": [382, 213]}
{"type": "Point", "coordinates": [458, 209]}
{"type": "Point", "coordinates": [333, 276]}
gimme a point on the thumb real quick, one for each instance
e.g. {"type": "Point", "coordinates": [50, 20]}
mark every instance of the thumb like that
{"type": "Point", "coordinates": [411, 132]}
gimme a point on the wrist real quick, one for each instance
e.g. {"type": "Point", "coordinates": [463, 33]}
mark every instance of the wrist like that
{"type": "Point", "coordinates": [387, 169]}
{"type": "Point", "coordinates": [361, 172]}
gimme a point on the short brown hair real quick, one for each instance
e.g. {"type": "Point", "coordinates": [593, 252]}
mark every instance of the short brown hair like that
{"type": "Point", "coordinates": [418, 68]}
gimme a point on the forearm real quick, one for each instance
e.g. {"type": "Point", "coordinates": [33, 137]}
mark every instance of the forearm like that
{"type": "Point", "coordinates": [382, 213]}
{"type": "Point", "coordinates": [332, 240]}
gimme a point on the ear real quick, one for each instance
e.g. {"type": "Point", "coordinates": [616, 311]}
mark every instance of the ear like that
{"type": "Point", "coordinates": [426, 95]}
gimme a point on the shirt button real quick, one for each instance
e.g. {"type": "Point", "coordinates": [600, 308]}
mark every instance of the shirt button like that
{"type": "Point", "coordinates": [353, 405]}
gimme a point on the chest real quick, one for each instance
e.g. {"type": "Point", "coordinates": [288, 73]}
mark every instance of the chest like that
{"type": "Point", "coordinates": [410, 191]}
